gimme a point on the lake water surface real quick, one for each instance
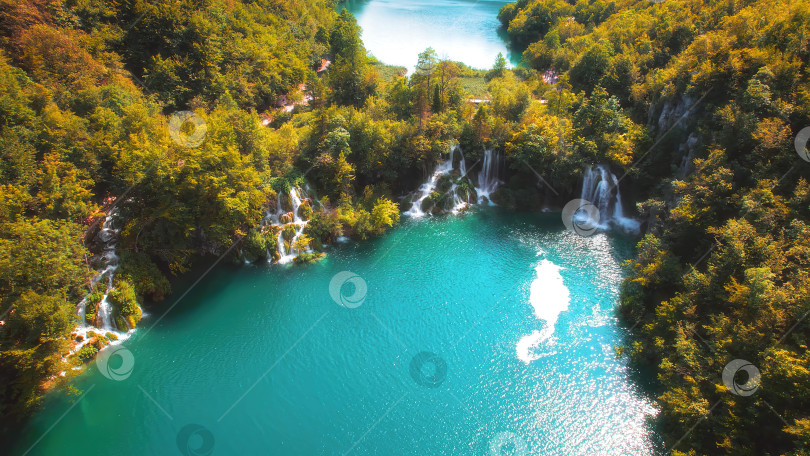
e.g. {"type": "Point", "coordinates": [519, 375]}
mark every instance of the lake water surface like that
{"type": "Point", "coordinates": [484, 334]}
{"type": "Point", "coordinates": [396, 31]}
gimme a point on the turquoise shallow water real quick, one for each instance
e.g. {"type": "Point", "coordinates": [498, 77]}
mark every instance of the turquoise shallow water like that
{"type": "Point", "coordinates": [264, 361]}
{"type": "Point", "coordinates": [396, 31]}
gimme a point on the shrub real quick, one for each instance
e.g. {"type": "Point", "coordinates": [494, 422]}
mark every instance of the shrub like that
{"type": "Point", "coordinates": [385, 214]}
{"type": "Point", "coordinates": [256, 246]}
{"type": "Point", "coordinates": [144, 275]}
{"type": "Point", "coordinates": [99, 342]}
{"type": "Point", "coordinates": [308, 257]}
{"type": "Point", "coordinates": [325, 227]}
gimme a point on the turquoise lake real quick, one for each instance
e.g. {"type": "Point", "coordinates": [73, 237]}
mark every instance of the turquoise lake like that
{"type": "Point", "coordinates": [443, 346]}
{"type": "Point", "coordinates": [396, 31]}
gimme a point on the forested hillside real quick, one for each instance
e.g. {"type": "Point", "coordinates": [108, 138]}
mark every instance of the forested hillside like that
{"type": "Point", "coordinates": [723, 88]}
{"type": "Point", "coordinates": [87, 92]}
{"type": "Point", "coordinates": [696, 104]}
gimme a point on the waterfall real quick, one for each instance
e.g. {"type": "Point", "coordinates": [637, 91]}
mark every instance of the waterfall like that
{"type": "Point", "coordinates": [296, 204]}
{"type": "Point", "coordinates": [488, 180]}
{"type": "Point", "coordinates": [444, 168]}
{"type": "Point", "coordinates": [289, 221]}
{"type": "Point", "coordinates": [600, 187]}
{"type": "Point", "coordinates": [104, 313]}
{"type": "Point", "coordinates": [103, 322]}
{"type": "Point", "coordinates": [462, 162]}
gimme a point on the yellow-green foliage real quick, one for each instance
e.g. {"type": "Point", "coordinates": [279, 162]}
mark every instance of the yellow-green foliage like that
{"type": "Point", "coordinates": [385, 214]}
{"type": "Point", "coordinates": [75, 119]}
{"type": "Point", "coordinates": [722, 273]}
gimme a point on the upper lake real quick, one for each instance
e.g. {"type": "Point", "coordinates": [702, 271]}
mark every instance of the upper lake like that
{"type": "Point", "coordinates": [468, 31]}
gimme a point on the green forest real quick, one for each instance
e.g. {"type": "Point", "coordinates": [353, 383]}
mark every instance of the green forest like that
{"type": "Point", "coordinates": [697, 103]}
{"type": "Point", "coordinates": [722, 271]}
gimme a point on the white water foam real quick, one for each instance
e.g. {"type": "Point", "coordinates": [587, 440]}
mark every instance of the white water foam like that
{"type": "Point", "coordinates": [549, 297]}
{"type": "Point", "coordinates": [443, 168]}
{"type": "Point", "coordinates": [282, 219]}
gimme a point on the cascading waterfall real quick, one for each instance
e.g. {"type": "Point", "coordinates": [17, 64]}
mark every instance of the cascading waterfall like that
{"type": "Point", "coordinates": [424, 199]}
{"type": "Point", "coordinates": [462, 162]}
{"type": "Point", "coordinates": [290, 224]}
{"type": "Point", "coordinates": [103, 321]}
{"type": "Point", "coordinates": [600, 187]}
{"type": "Point", "coordinates": [111, 260]}
{"type": "Point", "coordinates": [488, 180]}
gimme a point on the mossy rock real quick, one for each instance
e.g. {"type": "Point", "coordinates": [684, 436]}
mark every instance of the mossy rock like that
{"type": "Point", "coordinates": [285, 202]}
{"type": "Point", "coordinates": [309, 257]}
{"type": "Point", "coordinates": [271, 245]}
{"type": "Point", "coordinates": [427, 204]}
{"type": "Point", "coordinates": [91, 303]}
{"type": "Point", "coordinates": [87, 353]}
{"type": "Point", "coordinates": [444, 183]}
{"type": "Point", "coordinates": [466, 190]}
{"type": "Point", "coordinates": [288, 232]}
{"type": "Point", "coordinates": [133, 320]}
{"type": "Point", "coordinates": [444, 202]}
{"type": "Point", "coordinates": [121, 323]}
{"type": "Point", "coordinates": [503, 197]}
{"type": "Point", "coordinates": [126, 311]}
{"type": "Point", "coordinates": [305, 211]}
